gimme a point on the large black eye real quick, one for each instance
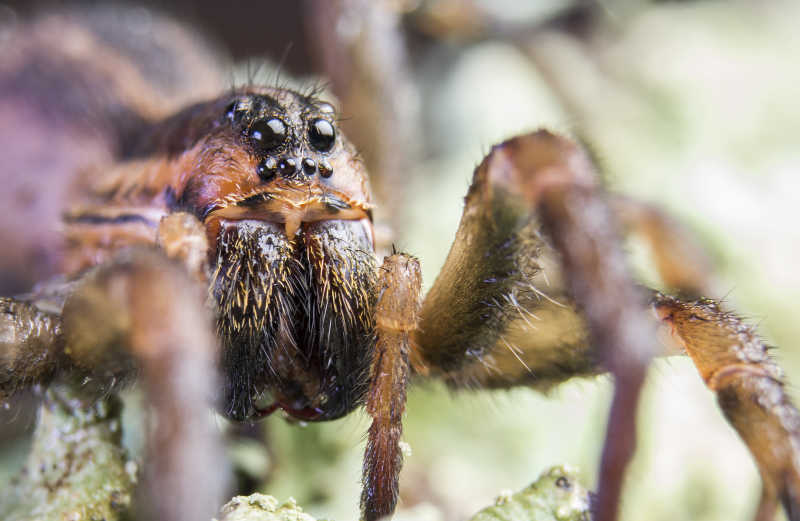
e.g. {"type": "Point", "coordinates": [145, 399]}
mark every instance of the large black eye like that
{"type": "Point", "coordinates": [321, 135]}
{"type": "Point", "coordinates": [269, 133]}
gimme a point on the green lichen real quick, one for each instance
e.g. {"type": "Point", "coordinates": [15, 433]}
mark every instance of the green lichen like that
{"type": "Point", "coordinates": [555, 496]}
{"type": "Point", "coordinates": [77, 469]}
{"type": "Point", "coordinates": [260, 507]}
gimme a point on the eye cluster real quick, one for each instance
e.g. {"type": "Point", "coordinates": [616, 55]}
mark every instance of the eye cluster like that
{"type": "Point", "coordinates": [272, 135]}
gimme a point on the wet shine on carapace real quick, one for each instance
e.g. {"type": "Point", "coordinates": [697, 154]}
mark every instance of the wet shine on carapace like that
{"type": "Point", "coordinates": [285, 206]}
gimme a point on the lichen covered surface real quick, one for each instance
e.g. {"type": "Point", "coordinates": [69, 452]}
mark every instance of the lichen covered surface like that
{"type": "Point", "coordinates": [261, 507]}
{"type": "Point", "coordinates": [555, 496]}
{"type": "Point", "coordinates": [77, 469]}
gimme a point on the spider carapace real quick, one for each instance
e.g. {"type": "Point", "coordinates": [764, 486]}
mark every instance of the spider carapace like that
{"type": "Point", "coordinates": [284, 202]}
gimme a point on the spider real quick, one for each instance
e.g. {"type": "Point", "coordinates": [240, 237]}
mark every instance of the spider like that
{"type": "Point", "coordinates": [257, 196]}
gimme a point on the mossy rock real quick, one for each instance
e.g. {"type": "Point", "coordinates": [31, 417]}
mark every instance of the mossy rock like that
{"type": "Point", "coordinates": [555, 496]}
{"type": "Point", "coordinates": [77, 468]}
{"type": "Point", "coordinates": [261, 507]}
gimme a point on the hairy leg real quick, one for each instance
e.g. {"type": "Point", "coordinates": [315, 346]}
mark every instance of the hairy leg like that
{"type": "Point", "coordinates": [144, 308]}
{"type": "Point", "coordinates": [734, 362]}
{"type": "Point", "coordinates": [397, 307]}
{"type": "Point", "coordinates": [535, 245]}
{"type": "Point", "coordinates": [576, 216]}
{"type": "Point", "coordinates": [534, 203]}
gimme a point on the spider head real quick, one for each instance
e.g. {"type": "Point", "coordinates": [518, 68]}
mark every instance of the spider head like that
{"type": "Point", "coordinates": [285, 202]}
{"type": "Point", "coordinates": [263, 153]}
{"type": "Point", "coordinates": [301, 168]}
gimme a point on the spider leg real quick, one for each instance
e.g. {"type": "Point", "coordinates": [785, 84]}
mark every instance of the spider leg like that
{"type": "Point", "coordinates": [534, 221]}
{"type": "Point", "coordinates": [683, 265]}
{"type": "Point", "coordinates": [397, 307]}
{"type": "Point", "coordinates": [734, 363]}
{"type": "Point", "coordinates": [30, 350]}
{"type": "Point", "coordinates": [145, 308]}
{"type": "Point", "coordinates": [140, 312]}
{"type": "Point", "coordinates": [531, 196]}
{"type": "Point", "coordinates": [153, 318]}
{"type": "Point", "coordinates": [501, 280]}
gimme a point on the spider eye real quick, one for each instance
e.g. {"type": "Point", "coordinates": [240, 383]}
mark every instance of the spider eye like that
{"type": "Point", "coordinates": [230, 111]}
{"type": "Point", "coordinates": [321, 135]}
{"type": "Point", "coordinates": [326, 107]}
{"type": "Point", "coordinates": [237, 110]}
{"type": "Point", "coordinates": [270, 133]}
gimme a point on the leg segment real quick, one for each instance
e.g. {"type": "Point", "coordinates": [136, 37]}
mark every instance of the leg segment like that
{"type": "Point", "coordinates": [682, 264]}
{"type": "Point", "coordinates": [735, 364]}
{"type": "Point", "coordinates": [396, 312]}
{"type": "Point", "coordinates": [579, 222]}
{"type": "Point", "coordinates": [501, 281]}
{"type": "Point", "coordinates": [531, 196]}
{"type": "Point", "coordinates": [535, 221]}
{"type": "Point", "coordinates": [144, 307]}
{"type": "Point", "coordinates": [30, 346]}
{"type": "Point", "coordinates": [141, 312]}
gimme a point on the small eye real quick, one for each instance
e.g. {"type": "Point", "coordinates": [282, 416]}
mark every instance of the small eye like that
{"type": "Point", "coordinates": [266, 168]}
{"type": "Point", "coordinates": [236, 110]}
{"type": "Point", "coordinates": [230, 111]}
{"type": "Point", "coordinates": [321, 135]}
{"type": "Point", "coordinates": [270, 133]}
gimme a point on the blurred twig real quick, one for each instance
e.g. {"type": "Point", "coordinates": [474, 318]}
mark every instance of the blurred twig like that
{"type": "Point", "coordinates": [361, 48]}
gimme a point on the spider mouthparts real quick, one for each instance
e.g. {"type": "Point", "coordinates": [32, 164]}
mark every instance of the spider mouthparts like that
{"type": "Point", "coordinates": [293, 209]}
{"type": "Point", "coordinates": [292, 224]}
{"type": "Point", "coordinates": [306, 413]}
{"type": "Point", "coordinates": [263, 413]}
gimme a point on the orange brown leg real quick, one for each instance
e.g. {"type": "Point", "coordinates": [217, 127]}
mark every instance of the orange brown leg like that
{"type": "Point", "coordinates": [396, 309]}
{"type": "Point", "coordinates": [143, 312]}
{"type": "Point", "coordinates": [683, 265]}
{"type": "Point", "coordinates": [734, 363]}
